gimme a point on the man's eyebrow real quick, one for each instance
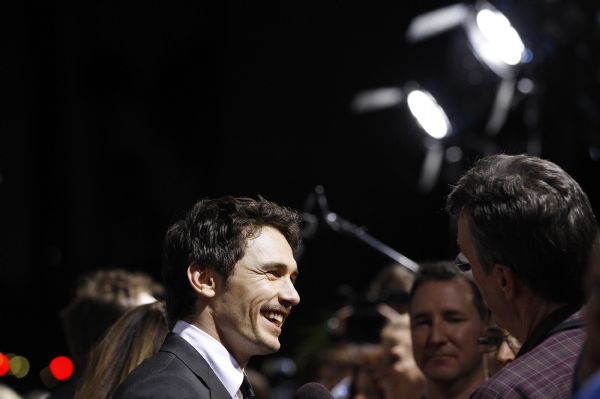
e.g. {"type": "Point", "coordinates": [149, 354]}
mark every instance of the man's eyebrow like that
{"type": "Point", "coordinates": [420, 315]}
{"type": "Point", "coordinates": [453, 312]}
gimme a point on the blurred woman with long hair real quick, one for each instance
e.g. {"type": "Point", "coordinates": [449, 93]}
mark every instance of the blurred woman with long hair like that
{"type": "Point", "coordinates": [135, 336]}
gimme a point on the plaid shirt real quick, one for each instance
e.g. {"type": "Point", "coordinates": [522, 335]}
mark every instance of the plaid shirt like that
{"type": "Point", "coordinates": [544, 372]}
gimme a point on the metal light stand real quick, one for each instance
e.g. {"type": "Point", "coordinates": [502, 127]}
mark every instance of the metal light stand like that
{"type": "Point", "coordinates": [341, 225]}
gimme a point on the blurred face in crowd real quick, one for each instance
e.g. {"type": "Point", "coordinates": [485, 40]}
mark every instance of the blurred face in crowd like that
{"type": "Point", "coordinates": [396, 343]}
{"type": "Point", "coordinates": [399, 372]}
{"type": "Point", "coordinates": [501, 350]}
{"type": "Point", "coordinates": [366, 381]}
{"type": "Point", "coordinates": [445, 327]}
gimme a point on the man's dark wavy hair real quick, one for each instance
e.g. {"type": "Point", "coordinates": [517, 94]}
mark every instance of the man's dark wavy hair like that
{"type": "Point", "coordinates": [448, 271]}
{"type": "Point", "coordinates": [214, 234]}
{"type": "Point", "coordinates": [530, 215]}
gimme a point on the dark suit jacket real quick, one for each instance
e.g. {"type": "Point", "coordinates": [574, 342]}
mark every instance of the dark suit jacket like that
{"type": "Point", "coordinates": [176, 371]}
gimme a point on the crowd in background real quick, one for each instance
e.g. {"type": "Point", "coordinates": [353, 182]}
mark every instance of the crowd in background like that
{"type": "Point", "coordinates": [516, 315]}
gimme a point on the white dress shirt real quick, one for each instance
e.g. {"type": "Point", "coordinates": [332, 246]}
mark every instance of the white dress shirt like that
{"type": "Point", "coordinates": [218, 358]}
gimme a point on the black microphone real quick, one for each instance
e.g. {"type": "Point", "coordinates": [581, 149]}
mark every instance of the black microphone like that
{"type": "Point", "coordinates": [312, 390]}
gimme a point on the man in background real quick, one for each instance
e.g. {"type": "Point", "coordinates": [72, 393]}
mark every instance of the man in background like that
{"type": "Point", "coordinates": [526, 228]}
{"type": "Point", "coordinates": [448, 316]}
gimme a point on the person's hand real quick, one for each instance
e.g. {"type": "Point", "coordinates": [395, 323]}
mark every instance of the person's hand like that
{"type": "Point", "coordinates": [399, 376]}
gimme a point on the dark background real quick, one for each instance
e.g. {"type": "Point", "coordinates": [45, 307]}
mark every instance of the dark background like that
{"type": "Point", "coordinates": [118, 116]}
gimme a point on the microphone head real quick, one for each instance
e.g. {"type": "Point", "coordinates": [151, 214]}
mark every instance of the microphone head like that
{"type": "Point", "coordinates": [312, 390]}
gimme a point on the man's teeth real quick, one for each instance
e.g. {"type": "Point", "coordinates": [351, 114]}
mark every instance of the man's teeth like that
{"type": "Point", "coordinates": [275, 317]}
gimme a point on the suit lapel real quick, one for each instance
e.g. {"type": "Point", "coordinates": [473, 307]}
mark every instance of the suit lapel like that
{"type": "Point", "coordinates": [196, 363]}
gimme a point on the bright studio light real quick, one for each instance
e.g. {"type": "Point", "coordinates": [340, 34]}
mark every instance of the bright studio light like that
{"type": "Point", "coordinates": [500, 36]}
{"type": "Point", "coordinates": [428, 113]}
{"type": "Point", "coordinates": [491, 36]}
{"type": "Point", "coordinates": [494, 40]}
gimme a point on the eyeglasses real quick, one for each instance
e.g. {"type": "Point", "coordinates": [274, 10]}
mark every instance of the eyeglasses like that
{"type": "Point", "coordinates": [462, 262]}
{"type": "Point", "coordinates": [493, 338]}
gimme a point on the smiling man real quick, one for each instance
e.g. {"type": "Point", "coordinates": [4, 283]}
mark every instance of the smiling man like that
{"type": "Point", "coordinates": [229, 273]}
{"type": "Point", "coordinates": [526, 229]}
{"type": "Point", "coordinates": [447, 316]}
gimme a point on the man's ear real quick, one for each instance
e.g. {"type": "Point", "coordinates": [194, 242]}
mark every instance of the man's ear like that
{"type": "Point", "coordinates": [202, 280]}
{"type": "Point", "coordinates": [506, 280]}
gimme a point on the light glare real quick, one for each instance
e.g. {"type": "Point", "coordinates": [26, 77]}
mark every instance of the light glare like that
{"type": "Point", "coordinates": [47, 378]}
{"type": "Point", "coordinates": [376, 99]}
{"type": "Point", "coordinates": [428, 113]}
{"type": "Point", "coordinates": [525, 85]}
{"type": "Point", "coordinates": [4, 364]}
{"type": "Point", "coordinates": [19, 366]}
{"type": "Point", "coordinates": [61, 368]}
{"type": "Point", "coordinates": [501, 36]}
{"type": "Point", "coordinates": [454, 154]}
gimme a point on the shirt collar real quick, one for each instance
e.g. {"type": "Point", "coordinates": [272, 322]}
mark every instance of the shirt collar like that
{"type": "Point", "coordinates": [216, 355]}
{"type": "Point", "coordinates": [549, 325]}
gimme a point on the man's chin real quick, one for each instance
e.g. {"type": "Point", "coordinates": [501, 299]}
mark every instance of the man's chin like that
{"type": "Point", "coordinates": [274, 346]}
{"type": "Point", "coordinates": [440, 373]}
{"type": "Point", "coordinates": [268, 346]}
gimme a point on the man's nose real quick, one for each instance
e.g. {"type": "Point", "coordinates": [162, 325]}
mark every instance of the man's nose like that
{"type": "Point", "coordinates": [437, 333]}
{"type": "Point", "coordinates": [289, 294]}
{"type": "Point", "coordinates": [504, 355]}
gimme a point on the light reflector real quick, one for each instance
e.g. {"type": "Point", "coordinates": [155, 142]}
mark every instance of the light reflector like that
{"type": "Point", "coordinates": [428, 113]}
{"type": "Point", "coordinates": [500, 36]}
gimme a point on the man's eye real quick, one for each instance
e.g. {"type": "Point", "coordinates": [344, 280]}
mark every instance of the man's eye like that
{"type": "Point", "coordinates": [421, 322]}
